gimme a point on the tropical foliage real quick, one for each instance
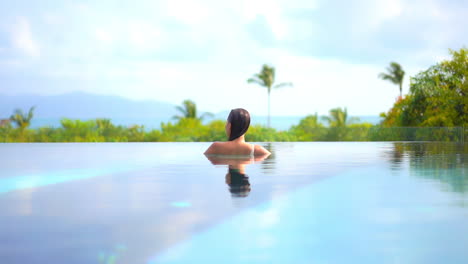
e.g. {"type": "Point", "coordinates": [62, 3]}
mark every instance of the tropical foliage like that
{"type": "Point", "coordinates": [395, 75]}
{"type": "Point", "coordinates": [266, 78]}
{"type": "Point", "coordinates": [339, 118]}
{"type": "Point", "coordinates": [438, 96]}
{"type": "Point", "coordinates": [436, 109]}
{"type": "Point", "coordinates": [22, 120]}
{"type": "Point", "coordinates": [308, 129]}
{"type": "Point", "coordinates": [189, 110]}
{"type": "Point", "coordinates": [192, 130]}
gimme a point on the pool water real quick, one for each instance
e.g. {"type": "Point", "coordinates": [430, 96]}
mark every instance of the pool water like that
{"type": "Point", "coordinates": [329, 202]}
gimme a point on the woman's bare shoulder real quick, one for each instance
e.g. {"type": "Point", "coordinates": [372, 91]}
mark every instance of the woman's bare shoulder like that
{"type": "Point", "coordinates": [216, 148]}
{"type": "Point", "coordinates": [260, 151]}
{"type": "Point", "coordinates": [211, 149]}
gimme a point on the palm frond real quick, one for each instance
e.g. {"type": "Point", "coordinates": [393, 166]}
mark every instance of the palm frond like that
{"type": "Point", "coordinates": [326, 118]}
{"type": "Point", "coordinates": [31, 114]}
{"type": "Point", "coordinates": [18, 112]}
{"type": "Point", "coordinates": [176, 117]}
{"type": "Point", "coordinates": [388, 77]}
{"type": "Point", "coordinates": [385, 76]}
{"type": "Point", "coordinates": [205, 115]}
{"type": "Point", "coordinates": [20, 119]}
{"type": "Point", "coordinates": [285, 84]}
{"type": "Point", "coordinates": [394, 74]}
{"type": "Point", "coordinates": [181, 110]}
{"type": "Point", "coordinates": [256, 80]}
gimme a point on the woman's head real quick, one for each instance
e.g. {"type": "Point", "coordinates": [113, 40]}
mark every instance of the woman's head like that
{"type": "Point", "coordinates": [238, 123]}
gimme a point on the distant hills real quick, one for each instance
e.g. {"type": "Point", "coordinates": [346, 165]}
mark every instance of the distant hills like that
{"type": "Point", "coordinates": [122, 111]}
{"type": "Point", "coordinates": [85, 106]}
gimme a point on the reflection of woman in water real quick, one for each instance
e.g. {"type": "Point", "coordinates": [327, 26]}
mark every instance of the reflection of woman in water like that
{"type": "Point", "coordinates": [236, 178]}
{"type": "Point", "coordinates": [237, 124]}
{"type": "Point", "coordinates": [236, 153]}
{"type": "Point", "coordinates": [238, 181]}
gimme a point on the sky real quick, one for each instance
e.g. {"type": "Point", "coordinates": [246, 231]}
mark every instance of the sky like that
{"type": "Point", "coordinates": [205, 50]}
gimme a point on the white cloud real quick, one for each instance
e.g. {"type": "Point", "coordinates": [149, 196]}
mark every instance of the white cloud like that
{"type": "Point", "coordinates": [22, 38]}
{"type": "Point", "coordinates": [202, 50]}
{"type": "Point", "coordinates": [52, 19]}
{"type": "Point", "coordinates": [104, 36]}
{"type": "Point", "coordinates": [300, 4]}
{"type": "Point", "coordinates": [271, 10]}
{"type": "Point", "coordinates": [144, 36]}
{"type": "Point", "coordinates": [191, 12]}
{"type": "Point", "coordinates": [427, 9]}
{"type": "Point", "coordinates": [319, 85]}
{"type": "Point", "coordinates": [323, 84]}
{"type": "Point", "coordinates": [385, 10]}
{"type": "Point", "coordinates": [368, 16]}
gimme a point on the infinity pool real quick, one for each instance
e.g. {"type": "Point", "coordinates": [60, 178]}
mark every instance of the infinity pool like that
{"type": "Point", "coordinates": [343, 202]}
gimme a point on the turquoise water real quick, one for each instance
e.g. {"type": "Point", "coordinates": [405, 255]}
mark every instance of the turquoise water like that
{"type": "Point", "coordinates": [327, 202]}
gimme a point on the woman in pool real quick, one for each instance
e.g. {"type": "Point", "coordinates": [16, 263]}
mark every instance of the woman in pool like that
{"type": "Point", "coordinates": [237, 124]}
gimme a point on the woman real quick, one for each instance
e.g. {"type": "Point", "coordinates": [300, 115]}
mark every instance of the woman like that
{"type": "Point", "coordinates": [237, 124]}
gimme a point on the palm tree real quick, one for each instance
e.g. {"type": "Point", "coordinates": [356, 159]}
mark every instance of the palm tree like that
{"type": "Point", "coordinates": [395, 74]}
{"type": "Point", "coordinates": [339, 118]}
{"type": "Point", "coordinates": [266, 78]}
{"type": "Point", "coordinates": [22, 120]}
{"type": "Point", "coordinates": [189, 110]}
{"type": "Point", "coordinates": [338, 121]}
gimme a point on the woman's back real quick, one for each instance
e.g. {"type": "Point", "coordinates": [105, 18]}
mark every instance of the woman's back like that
{"type": "Point", "coordinates": [236, 126]}
{"type": "Point", "coordinates": [236, 148]}
{"type": "Point", "coordinates": [233, 148]}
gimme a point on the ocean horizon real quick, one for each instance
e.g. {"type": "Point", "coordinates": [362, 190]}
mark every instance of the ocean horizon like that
{"type": "Point", "coordinates": [277, 122]}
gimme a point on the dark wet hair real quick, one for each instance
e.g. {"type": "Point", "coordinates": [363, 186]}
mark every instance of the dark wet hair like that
{"type": "Point", "coordinates": [240, 122]}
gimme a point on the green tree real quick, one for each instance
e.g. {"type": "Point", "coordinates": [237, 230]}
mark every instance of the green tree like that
{"type": "Point", "coordinates": [308, 129]}
{"type": "Point", "coordinates": [189, 110]}
{"type": "Point", "coordinates": [185, 130]}
{"type": "Point", "coordinates": [338, 122]}
{"type": "Point", "coordinates": [438, 96]}
{"type": "Point", "coordinates": [22, 120]}
{"type": "Point", "coordinates": [266, 78]}
{"type": "Point", "coordinates": [394, 74]}
{"type": "Point", "coordinates": [339, 118]}
{"type": "Point", "coordinates": [80, 131]}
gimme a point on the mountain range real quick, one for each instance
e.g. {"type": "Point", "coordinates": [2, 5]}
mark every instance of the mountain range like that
{"type": "Point", "coordinates": [122, 111]}
{"type": "Point", "coordinates": [81, 105]}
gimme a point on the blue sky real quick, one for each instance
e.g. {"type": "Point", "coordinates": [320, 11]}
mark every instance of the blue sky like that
{"type": "Point", "coordinates": [205, 50]}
